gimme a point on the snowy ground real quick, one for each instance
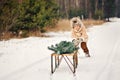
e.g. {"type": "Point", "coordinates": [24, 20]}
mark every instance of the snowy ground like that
{"type": "Point", "coordinates": [29, 58]}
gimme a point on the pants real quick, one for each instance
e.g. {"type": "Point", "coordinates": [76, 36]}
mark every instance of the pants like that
{"type": "Point", "coordinates": [84, 47]}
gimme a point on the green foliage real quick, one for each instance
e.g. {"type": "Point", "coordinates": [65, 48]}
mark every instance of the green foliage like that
{"type": "Point", "coordinates": [63, 47]}
{"type": "Point", "coordinates": [98, 14]}
{"type": "Point", "coordinates": [24, 34]}
{"type": "Point", "coordinates": [77, 12]}
{"type": "Point", "coordinates": [36, 14]}
{"type": "Point", "coordinates": [8, 14]}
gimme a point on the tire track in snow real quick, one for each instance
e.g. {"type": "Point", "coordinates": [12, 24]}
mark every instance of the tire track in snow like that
{"type": "Point", "coordinates": [115, 67]}
{"type": "Point", "coordinates": [104, 72]}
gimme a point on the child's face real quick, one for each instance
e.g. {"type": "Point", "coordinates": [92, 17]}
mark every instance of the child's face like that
{"type": "Point", "coordinates": [76, 27]}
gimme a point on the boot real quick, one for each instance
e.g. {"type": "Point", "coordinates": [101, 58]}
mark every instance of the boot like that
{"type": "Point", "coordinates": [87, 54]}
{"type": "Point", "coordinates": [85, 49]}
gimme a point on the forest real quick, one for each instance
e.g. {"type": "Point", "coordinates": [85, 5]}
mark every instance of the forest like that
{"type": "Point", "coordinates": [34, 15]}
{"type": "Point", "coordinates": [97, 9]}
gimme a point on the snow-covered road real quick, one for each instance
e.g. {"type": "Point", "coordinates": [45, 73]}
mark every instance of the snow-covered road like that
{"type": "Point", "coordinates": [29, 58]}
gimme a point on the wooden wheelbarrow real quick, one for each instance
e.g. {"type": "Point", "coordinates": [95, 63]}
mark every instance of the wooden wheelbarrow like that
{"type": "Point", "coordinates": [57, 58]}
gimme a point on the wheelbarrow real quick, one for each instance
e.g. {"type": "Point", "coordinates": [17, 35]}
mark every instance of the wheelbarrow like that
{"type": "Point", "coordinates": [57, 58]}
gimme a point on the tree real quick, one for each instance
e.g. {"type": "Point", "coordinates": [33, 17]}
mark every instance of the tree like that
{"type": "Point", "coordinates": [109, 9]}
{"type": "Point", "coordinates": [36, 14]}
{"type": "Point", "coordinates": [8, 14]}
{"type": "Point", "coordinates": [117, 3]}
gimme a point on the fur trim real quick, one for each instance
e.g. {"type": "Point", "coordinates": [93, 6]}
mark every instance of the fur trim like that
{"type": "Point", "coordinates": [76, 20]}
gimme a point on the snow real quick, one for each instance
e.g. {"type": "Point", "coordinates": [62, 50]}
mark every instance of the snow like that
{"type": "Point", "coordinates": [29, 58]}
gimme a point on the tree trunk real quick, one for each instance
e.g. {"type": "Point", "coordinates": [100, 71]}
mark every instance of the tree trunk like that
{"type": "Point", "coordinates": [86, 5]}
{"type": "Point", "coordinates": [96, 5]}
{"type": "Point", "coordinates": [66, 8]}
{"type": "Point", "coordinates": [76, 4]}
{"type": "Point", "coordinates": [116, 1]}
{"type": "Point", "coordinates": [102, 6]}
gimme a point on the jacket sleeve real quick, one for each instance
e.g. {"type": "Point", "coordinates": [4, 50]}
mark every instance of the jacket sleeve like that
{"type": "Point", "coordinates": [73, 34]}
{"type": "Point", "coordinates": [84, 34]}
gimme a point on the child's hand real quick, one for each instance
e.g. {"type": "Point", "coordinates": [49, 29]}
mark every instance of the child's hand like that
{"type": "Point", "coordinates": [73, 40]}
{"type": "Point", "coordinates": [81, 39]}
{"type": "Point", "coordinates": [76, 42]}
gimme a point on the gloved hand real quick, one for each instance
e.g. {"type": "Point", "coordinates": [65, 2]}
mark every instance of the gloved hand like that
{"type": "Point", "coordinates": [81, 39]}
{"type": "Point", "coordinates": [76, 42]}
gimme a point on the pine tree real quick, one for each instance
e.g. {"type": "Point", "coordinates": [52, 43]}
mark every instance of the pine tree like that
{"type": "Point", "coordinates": [36, 14]}
{"type": "Point", "coordinates": [63, 47]}
{"type": "Point", "coordinates": [8, 14]}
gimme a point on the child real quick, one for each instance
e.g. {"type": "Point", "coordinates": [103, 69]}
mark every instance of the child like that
{"type": "Point", "coordinates": [79, 34]}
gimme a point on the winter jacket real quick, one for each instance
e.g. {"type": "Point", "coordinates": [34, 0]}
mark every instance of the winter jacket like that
{"type": "Point", "coordinates": [81, 33]}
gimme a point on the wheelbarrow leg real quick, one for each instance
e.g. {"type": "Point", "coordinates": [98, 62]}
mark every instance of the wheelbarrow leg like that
{"type": "Point", "coordinates": [76, 60]}
{"type": "Point", "coordinates": [57, 61]}
{"type": "Point", "coordinates": [74, 64]}
{"type": "Point", "coordinates": [52, 64]}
